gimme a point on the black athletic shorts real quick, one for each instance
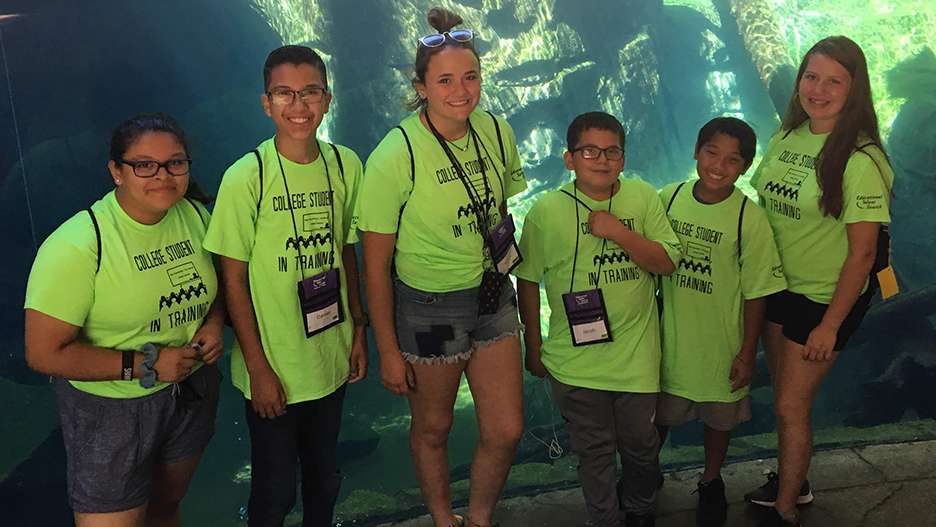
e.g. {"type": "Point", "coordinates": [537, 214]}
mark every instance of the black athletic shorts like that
{"type": "Point", "coordinates": [799, 316]}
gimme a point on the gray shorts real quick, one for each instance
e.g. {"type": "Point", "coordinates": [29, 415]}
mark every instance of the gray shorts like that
{"type": "Point", "coordinates": [112, 445]}
{"type": "Point", "coordinates": [673, 410]}
{"type": "Point", "coordinates": [445, 327]}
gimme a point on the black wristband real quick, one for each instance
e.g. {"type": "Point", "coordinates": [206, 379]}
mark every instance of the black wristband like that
{"type": "Point", "coordinates": [363, 320]}
{"type": "Point", "coordinates": [126, 372]}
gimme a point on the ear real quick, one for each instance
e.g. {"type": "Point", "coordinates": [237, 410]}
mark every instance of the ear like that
{"type": "Point", "coordinates": [623, 160]}
{"type": "Point", "coordinates": [696, 154]}
{"type": "Point", "coordinates": [326, 101]}
{"type": "Point", "coordinates": [115, 172]}
{"type": "Point", "coordinates": [747, 165]}
{"type": "Point", "coordinates": [420, 88]}
{"type": "Point", "coordinates": [265, 101]}
{"type": "Point", "coordinates": [567, 157]}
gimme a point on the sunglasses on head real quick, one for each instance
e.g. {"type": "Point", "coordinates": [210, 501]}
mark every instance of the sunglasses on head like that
{"type": "Point", "coordinates": [458, 35]}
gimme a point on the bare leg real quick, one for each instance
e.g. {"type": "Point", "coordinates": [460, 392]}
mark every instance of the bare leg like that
{"type": "Point", "coordinates": [797, 384]}
{"type": "Point", "coordinates": [170, 482]}
{"type": "Point", "coordinates": [716, 448]}
{"type": "Point", "coordinates": [130, 518]}
{"type": "Point", "coordinates": [495, 375]}
{"type": "Point", "coordinates": [431, 405]}
{"type": "Point", "coordinates": [773, 340]}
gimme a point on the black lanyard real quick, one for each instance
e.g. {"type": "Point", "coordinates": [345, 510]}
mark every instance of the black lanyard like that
{"type": "Point", "coordinates": [578, 227]}
{"type": "Point", "coordinates": [479, 204]}
{"type": "Point", "coordinates": [292, 215]}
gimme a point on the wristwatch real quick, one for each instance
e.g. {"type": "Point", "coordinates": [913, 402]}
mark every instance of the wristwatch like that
{"type": "Point", "coordinates": [362, 320]}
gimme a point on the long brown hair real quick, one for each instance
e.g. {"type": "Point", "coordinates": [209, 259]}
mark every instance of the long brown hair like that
{"type": "Point", "coordinates": [441, 20]}
{"type": "Point", "coordinates": [856, 120]}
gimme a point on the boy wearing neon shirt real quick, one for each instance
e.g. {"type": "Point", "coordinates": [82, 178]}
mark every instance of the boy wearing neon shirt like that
{"type": "Point", "coordinates": [713, 305]}
{"type": "Point", "coordinates": [286, 231]}
{"type": "Point", "coordinates": [596, 243]}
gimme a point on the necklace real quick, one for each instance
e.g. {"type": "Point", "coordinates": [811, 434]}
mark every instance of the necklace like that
{"type": "Point", "coordinates": [462, 148]}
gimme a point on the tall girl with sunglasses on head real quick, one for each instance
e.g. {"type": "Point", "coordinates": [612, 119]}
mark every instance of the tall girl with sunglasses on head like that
{"type": "Point", "coordinates": [122, 302]}
{"type": "Point", "coordinates": [438, 243]}
{"type": "Point", "coordinates": [825, 185]}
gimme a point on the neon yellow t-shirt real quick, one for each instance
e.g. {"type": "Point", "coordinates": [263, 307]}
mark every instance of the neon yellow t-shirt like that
{"type": "Point", "coordinates": [156, 283]}
{"type": "Point", "coordinates": [703, 301]}
{"type": "Point", "coordinates": [813, 247]}
{"type": "Point", "coordinates": [631, 362]}
{"type": "Point", "coordinates": [308, 368]}
{"type": "Point", "coordinates": [438, 245]}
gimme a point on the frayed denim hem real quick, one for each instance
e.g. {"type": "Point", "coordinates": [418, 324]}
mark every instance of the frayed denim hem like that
{"type": "Point", "coordinates": [451, 359]}
{"type": "Point", "coordinates": [438, 359]}
{"type": "Point", "coordinates": [490, 342]}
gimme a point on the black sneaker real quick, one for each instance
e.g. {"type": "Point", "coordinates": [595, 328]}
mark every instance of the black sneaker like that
{"type": "Point", "coordinates": [774, 519]}
{"type": "Point", "coordinates": [713, 506]}
{"type": "Point", "coordinates": [766, 495]}
{"type": "Point", "coordinates": [639, 520]}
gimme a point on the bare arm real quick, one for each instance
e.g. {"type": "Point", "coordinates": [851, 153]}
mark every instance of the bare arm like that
{"type": "Point", "coordinates": [753, 319]}
{"type": "Point", "coordinates": [744, 365]}
{"type": "Point", "coordinates": [528, 298]}
{"type": "Point", "coordinates": [378, 255]}
{"type": "Point", "coordinates": [647, 254]}
{"type": "Point", "coordinates": [210, 336]}
{"type": "Point", "coordinates": [862, 246]}
{"type": "Point", "coordinates": [243, 318]}
{"type": "Point", "coordinates": [52, 349]}
{"type": "Point", "coordinates": [359, 342]}
{"type": "Point", "coordinates": [395, 374]}
{"type": "Point", "coordinates": [352, 279]}
{"type": "Point", "coordinates": [218, 311]}
{"type": "Point", "coordinates": [267, 395]}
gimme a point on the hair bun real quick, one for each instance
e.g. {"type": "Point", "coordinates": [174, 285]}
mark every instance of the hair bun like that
{"type": "Point", "coordinates": [443, 20]}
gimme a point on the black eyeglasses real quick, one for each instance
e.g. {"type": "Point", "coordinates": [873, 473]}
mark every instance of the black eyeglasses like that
{"type": "Point", "coordinates": [458, 35]}
{"type": "Point", "coordinates": [287, 97]}
{"type": "Point", "coordinates": [612, 153]}
{"type": "Point", "coordinates": [174, 167]}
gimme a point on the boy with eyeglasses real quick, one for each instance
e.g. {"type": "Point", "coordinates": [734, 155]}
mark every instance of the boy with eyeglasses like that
{"type": "Point", "coordinates": [285, 230]}
{"type": "Point", "coordinates": [596, 243]}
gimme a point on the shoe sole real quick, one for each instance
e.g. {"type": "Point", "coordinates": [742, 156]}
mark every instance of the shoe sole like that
{"type": "Point", "coordinates": [800, 500]}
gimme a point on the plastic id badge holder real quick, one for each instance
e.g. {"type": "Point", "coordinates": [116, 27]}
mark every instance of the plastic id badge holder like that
{"type": "Point", "coordinates": [320, 302]}
{"type": "Point", "coordinates": [504, 250]}
{"type": "Point", "coordinates": [588, 318]}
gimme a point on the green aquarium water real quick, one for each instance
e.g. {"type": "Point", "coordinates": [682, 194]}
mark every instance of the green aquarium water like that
{"type": "Point", "coordinates": [71, 70]}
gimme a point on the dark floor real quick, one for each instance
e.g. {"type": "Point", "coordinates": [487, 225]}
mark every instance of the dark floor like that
{"type": "Point", "coordinates": [879, 485]}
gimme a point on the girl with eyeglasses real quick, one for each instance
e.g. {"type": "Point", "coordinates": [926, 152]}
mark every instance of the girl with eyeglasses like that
{"type": "Point", "coordinates": [123, 308]}
{"type": "Point", "coordinates": [825, 184]}
{"type": "Point", "coordinates": [438, 243]}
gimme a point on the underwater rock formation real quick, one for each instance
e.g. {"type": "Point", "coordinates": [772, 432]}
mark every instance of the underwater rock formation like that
{"type": "Point", "coordinates": [912, 150]}
{"type": "Point", "coordinates": [765, 42]}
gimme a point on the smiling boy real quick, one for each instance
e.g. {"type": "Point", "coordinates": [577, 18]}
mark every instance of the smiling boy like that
{"type": "Point", "coordinates": [596, 243]}
{"type": "Point", "coordinates": [714, 302]}
{"type": "Point", "coordinates": [286, 232]}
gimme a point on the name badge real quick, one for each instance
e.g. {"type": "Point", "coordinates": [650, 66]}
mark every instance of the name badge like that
{"type": "Point", "coordinates": [504, 250]}
{"type": "Point", "coordinates": [320, 302]}
{"type": "Point", "coordinates": [588, 318]}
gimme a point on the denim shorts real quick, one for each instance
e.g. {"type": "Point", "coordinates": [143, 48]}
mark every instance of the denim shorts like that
{"type": "Point", "coordinates": [112, 445]}
{"type": "Point", "coordinates": [445, 327]}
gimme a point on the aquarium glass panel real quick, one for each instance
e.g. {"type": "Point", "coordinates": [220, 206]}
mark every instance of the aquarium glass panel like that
{"type": "Point", "coordinates": [72, 70]}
